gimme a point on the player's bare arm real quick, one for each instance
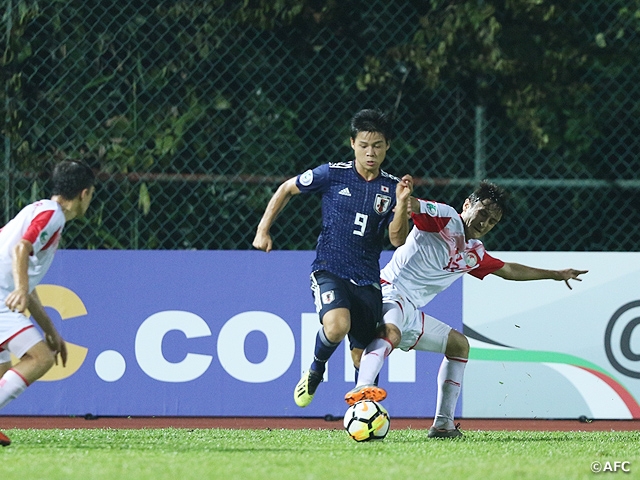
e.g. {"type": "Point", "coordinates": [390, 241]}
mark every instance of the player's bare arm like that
{"type": "Point", "coordinates": [18, 300]}
{"type": "Point", "coordinates": [518, 272]}
{"type": "Point", "coordinates": [51, 335]}
{"type": "Point", "coordinates": [399, 226]}
{"type": "Point", "coordinates": [286, 190]}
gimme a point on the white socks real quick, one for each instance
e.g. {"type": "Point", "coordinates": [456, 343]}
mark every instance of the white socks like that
{"type": "Point", "coordinates": [449, 383]}
{"type": "Point", "coordinates": [11, 385]}
{"type": "Point", "coordinates": [372, 361]}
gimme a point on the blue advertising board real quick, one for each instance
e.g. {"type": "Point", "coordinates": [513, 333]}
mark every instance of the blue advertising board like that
{"type": "Point", "coordinates": [204, 333]}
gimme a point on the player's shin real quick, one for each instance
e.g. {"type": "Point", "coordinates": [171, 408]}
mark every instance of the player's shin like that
{"type": "Point", "coordinates": [372, 361]}
{"type": "Point", "coordinates": [449, 384]}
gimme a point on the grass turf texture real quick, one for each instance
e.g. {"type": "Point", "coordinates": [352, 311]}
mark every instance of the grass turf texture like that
{"type": "Point", "coordinates": [179, 454]}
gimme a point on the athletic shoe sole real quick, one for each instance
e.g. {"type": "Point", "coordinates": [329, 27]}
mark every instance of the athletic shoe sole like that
{"type": "Point", "coordinates": [443, 433]}
{"type": "Point", "coordinates": [367, 392]}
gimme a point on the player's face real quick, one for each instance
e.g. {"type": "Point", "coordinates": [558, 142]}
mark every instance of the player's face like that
{"type": "Point", "coordinates": [479, 218]}
{"type": "Point", "coordinates": [370, 149]}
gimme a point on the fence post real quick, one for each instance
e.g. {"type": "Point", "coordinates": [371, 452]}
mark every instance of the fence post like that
{"type": "Point", "coordinates": [7, 119]}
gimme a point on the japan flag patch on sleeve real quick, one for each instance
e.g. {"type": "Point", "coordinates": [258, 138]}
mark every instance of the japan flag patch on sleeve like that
{"type": "Point", "coordinates": [328, 297]}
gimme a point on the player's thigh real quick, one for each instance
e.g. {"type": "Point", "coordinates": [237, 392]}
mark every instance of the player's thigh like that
{"type": "Point", "coordinates": [329, 292]}
{"type": "Point", "coordinates": [17, 334]}
{"type": "Point", "coordinates": [393, 322]}
{"type": "Point", "coordinates": [333, 303]}
{"type": "Point", "coordinates": [29, 341]}
{"type": "Point", "coordinates": [435, 336]}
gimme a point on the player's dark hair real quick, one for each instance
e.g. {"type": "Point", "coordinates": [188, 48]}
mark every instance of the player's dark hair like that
{"type": "Point", "coordinates": [70, 177]}
{"type": "Point", "coordinates": [371, 120]}
{"type": "Point", "coordinates": [492, 192]}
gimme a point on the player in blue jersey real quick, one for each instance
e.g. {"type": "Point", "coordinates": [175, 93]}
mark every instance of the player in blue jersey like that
{"type": "Point", "coordinates": [358, 204]}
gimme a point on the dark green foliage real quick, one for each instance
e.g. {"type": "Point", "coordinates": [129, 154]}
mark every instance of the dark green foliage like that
{"type": "Point", "coordinates": [194, 112]}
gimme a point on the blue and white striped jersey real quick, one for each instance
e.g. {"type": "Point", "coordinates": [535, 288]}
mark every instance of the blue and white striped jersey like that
{"type": "Point", "coordinates": [355, 215]}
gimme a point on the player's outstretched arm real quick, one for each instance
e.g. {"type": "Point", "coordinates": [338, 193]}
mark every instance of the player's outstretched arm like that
{"type": "Point", "coordinates": [288, 189]}
{"type": "Point", "coordinates": [399, 226]}
{"type": "Point", "coordinates": [51, 335]}
{"type": "Point", "coordinates": [518, 272]}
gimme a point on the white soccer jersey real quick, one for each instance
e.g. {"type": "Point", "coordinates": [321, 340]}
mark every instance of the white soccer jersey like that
{"type": "Point", "coordinates": [40, 223]}
{"type": "Point", "coordinates": [435, 254]}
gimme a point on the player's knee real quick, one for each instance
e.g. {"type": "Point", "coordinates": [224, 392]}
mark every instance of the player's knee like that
{"type": "Point", "coordinates": [392, 334]}
{"type": "Point", "coordinates": [4, 367]}
{"type": "Point", "coordinates": [41, 357]}
{"type": "Point", "coordinates": [336, 324]}
{"type": "Point", "coordinates": [457, 345]}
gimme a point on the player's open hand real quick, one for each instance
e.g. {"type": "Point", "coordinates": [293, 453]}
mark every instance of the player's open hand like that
{"type": "Point", "coordinates": [58, 347]}
{"type": "Point", "coordinates": [263, 242]}
{"type": "Point", "coordinates": [571, 274]}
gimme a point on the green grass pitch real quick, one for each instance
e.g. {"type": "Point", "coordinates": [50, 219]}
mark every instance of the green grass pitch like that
{"type": "Point", "coordinates": [180, 454]}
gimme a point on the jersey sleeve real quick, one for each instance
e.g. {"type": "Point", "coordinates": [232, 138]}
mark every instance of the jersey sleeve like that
{"type": "Point", "coordinates": [314, 180]}
{"type": "Point", "coordinates": [487, 265]}
{"type": "Point", "coordinates": [433, 216]}
{"type": "Point", "coordinates": [44, 229]}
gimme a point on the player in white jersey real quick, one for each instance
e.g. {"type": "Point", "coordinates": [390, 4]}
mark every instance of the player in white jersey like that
{"type": "Point", "coordinates": [28, 244]}
{"type": "Point", "coordinates": [442, 246]}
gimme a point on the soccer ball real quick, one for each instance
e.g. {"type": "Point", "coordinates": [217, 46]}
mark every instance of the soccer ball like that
{"type": "Point", "coordinates": [367, 420]}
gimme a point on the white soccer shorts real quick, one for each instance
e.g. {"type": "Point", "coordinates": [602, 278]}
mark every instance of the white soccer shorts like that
{"type": "Point", "coordinates": [419, 330]}
{"type": "Point", "coordinates": [17, 335]}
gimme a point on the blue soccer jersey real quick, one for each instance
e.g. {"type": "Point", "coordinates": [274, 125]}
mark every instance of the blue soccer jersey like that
{"type": "Point", "coordinates": [355, 215]}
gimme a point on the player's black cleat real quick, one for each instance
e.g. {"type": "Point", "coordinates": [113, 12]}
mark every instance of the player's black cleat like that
{"type": "Point", "coordinates": [444, 433]}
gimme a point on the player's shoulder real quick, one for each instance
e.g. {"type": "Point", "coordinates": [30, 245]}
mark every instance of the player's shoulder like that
{"type": "Point", "coordinates": [437, 209]}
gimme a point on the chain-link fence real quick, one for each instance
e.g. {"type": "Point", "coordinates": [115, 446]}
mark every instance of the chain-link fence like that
{"type": "Point", "coordinates": [194, 112]}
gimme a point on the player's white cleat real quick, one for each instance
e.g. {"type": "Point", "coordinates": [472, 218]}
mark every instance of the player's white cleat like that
{"type": "Point", "coordinates": [445, 433]}
{"type": "Point", "coordinates": [4, 440]}
{"type": "Point", "coordinates": [306, 388]}
{"type": "Point", "coordinates": [365, 392]}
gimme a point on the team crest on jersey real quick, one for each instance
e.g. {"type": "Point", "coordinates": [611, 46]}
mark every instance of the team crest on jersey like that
{"type": "Point", "coordinates": [432, 209]}
{"type": "Point", "coordinates": [43, 237]}
{"type": "Point", "coordinates": [470, 259]}
{"type": "Point", "coordinates": [382, 203]}
{"type": "Point", "coordinates": [306, 178]}
{"type": "Point", "coordinates": [328, 297]}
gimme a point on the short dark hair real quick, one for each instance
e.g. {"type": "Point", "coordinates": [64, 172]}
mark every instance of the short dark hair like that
{"type": "Point", "coordinates": [492, 192]}
{"type": "Point", "coordinates": [371, 120]}
{"type": "Point", "coordinates": [70, 177]}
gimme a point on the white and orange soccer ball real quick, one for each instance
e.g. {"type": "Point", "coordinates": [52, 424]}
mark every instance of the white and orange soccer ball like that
{"type": "Point", "coordinates": [367, 420]}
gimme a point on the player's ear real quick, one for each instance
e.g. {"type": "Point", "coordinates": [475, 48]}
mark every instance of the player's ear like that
{"type": "Point", "coordinates": [353, 142]}
{"type": "Point", "coordinates": [466, 205]}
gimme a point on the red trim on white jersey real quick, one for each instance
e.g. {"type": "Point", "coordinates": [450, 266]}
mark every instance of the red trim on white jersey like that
{"type": "Point", "coordinates": [435, 254]}
{"type": "Point", "coordinates": [427, 223]}
{"type": "Point", "coordinates": [36, 226]}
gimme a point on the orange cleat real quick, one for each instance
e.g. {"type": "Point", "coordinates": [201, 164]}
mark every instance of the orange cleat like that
{"type": "Point", "coordinates": [365, 392]}
{"type": "Point", "coordinates": [4, 440]}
